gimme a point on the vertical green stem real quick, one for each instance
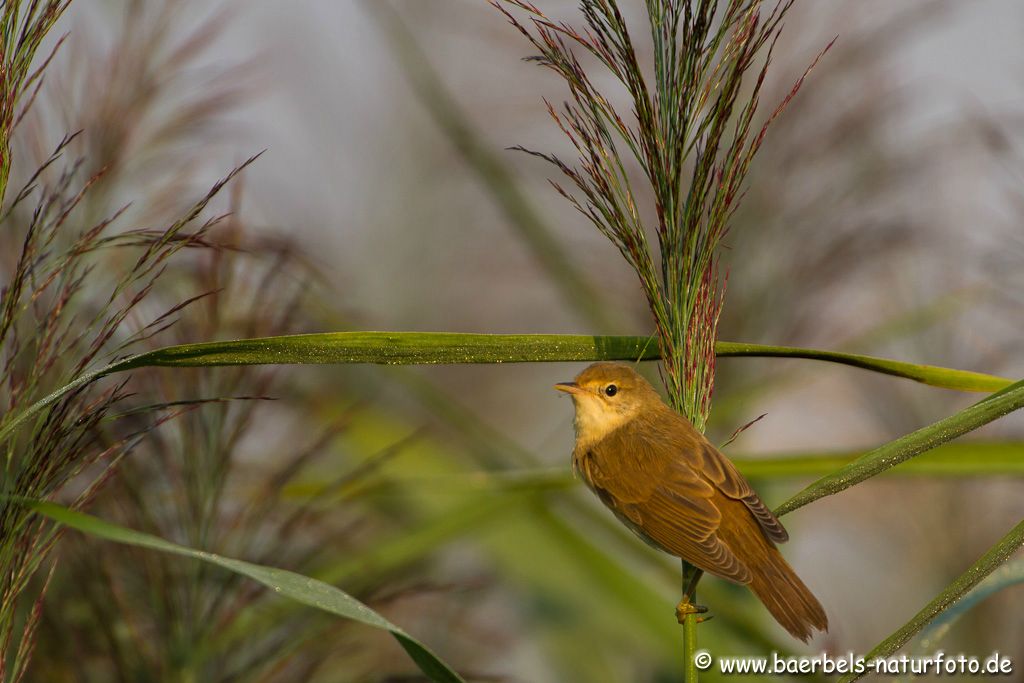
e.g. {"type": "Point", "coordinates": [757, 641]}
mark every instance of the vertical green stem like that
{"type": "Point", "coordinates": [690, 648]}
{"type": "Point", "coordinates": [690, 576]}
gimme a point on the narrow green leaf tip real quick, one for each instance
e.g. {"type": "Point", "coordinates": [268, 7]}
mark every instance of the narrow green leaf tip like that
{"type": "Point", "coordinates": [302, 589]}
{"type": "Point", "coordinates": [985, 565]}
{"type": "Point", "coordinates": [906, 447]}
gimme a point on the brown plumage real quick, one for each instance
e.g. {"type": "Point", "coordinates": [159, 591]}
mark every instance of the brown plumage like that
{"type": "Point", "coordinates": [665, 481]}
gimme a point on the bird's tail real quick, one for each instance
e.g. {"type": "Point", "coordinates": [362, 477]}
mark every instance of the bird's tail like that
{"type": "Point", "coordinates": [786, 597]}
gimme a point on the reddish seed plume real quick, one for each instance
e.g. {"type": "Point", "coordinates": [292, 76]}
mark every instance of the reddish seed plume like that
{"type": "Point", "coordinates": [683, 290]}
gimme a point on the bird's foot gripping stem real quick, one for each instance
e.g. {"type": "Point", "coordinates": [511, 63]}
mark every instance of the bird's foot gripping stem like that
{"type": "Point", "coordinates": [685, 607]}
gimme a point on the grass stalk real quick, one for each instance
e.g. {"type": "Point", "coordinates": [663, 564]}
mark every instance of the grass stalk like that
{"type": "Point", "coordinates": [690, 577]}
{"type": "Point", "coordinates": [23, 26]}
{"type": "Point", "coordinates": [74, 295]}
{"type": "Point", "coordinates": [691, 672]}
{"type": "Point", "coordinates": [690, 136]}
{"type": "Point", "coordinates": [406, 348]}
{"type": "Point", "coordinates": [690, 131]}
{"type": "Point", "coordinates": [300, 588]}
{"type": "Point", "coordinates": [895, 452]}
{"type": "Point", "coordinates": [961, 586]}
{"type": "Point", "coordinates": [957, 460]}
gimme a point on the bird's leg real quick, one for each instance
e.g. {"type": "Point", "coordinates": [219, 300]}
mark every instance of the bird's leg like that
{"type": "Point", "coordinates": [691, 575]}
{"type": "Point", "coordinates": [685, 607]}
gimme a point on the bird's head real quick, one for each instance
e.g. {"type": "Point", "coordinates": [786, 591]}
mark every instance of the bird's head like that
{"type": "Point", "coordinates": [606, 396]}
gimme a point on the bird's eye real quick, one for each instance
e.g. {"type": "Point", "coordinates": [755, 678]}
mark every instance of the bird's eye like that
{"type": "Point", "coordinates": [611, 390]}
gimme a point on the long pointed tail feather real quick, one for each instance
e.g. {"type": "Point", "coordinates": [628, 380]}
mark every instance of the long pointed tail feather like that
{"type": "Point", "coordinates": [786, 597]}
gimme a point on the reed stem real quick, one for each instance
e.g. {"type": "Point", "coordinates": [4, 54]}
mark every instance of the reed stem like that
{"type": "Point", "coordinates": [690, 576]}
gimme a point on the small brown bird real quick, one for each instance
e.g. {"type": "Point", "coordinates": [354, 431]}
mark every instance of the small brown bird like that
{"type": "Point", "coordinates": [666, 482]}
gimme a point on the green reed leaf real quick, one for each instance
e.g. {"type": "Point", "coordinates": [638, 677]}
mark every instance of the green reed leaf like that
{"type": "Point", "coordinates": [303, 589]}
{"type": "Point", "coordinates": [985, 565]}
{"type": "Point", "coordinates": [906, 447]}
{"type": "Point", "coordinates": [959, 460]}
{"type": "Point", "coordinates": [1008, 575]}
{"type": "Point", "coordinates": [971, 459]}
{"type": "Point", "coordinates": [933, 375]}
{"type": "Point", "coordinates": [411, 348]}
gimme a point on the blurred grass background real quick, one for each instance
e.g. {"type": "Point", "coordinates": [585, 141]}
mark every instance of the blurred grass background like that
{"type": "Point", "coordinates": [883, 217]}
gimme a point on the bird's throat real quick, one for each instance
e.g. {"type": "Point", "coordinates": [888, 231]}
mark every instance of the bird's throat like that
{"type": "Point", "coordinates": [594, 421]}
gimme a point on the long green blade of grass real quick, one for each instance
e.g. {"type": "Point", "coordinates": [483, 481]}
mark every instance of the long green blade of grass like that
{"type": "Point", "coordinates": [971, 459]}
{"type": "Point", "coordinates": [985, 565]}
{"type": "Point", "coordinates": [1009, 575]}
{"type": "Point", "coordinates": [958, 460]}
{"type": "Point", "coordinates": [410, 348]}
{"type": "Point", "coordinates": [300, 588]}
{"type": "Point", "coordinates": [932, 375]}
{"type": "Point", "coordinates": [906, 447]}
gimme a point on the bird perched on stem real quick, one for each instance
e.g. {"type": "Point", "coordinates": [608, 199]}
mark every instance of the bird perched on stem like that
{"type": "Point", "coordinates": [666, 482]}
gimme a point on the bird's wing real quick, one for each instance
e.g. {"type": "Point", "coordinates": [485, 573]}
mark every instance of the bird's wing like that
{"type": "Point", "coordinates": [720, 471]}
{"type": "Point", "coordinates": [663, 499]}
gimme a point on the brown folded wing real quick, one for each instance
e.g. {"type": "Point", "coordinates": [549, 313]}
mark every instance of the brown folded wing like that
{"type": "Point", "coordinates": [724, 475]}
{"type": "Point", "coordinates": [672, 487]}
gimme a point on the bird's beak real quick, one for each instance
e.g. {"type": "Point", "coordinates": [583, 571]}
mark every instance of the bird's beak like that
{"type": "Point", "coordinates": [568, 387]}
